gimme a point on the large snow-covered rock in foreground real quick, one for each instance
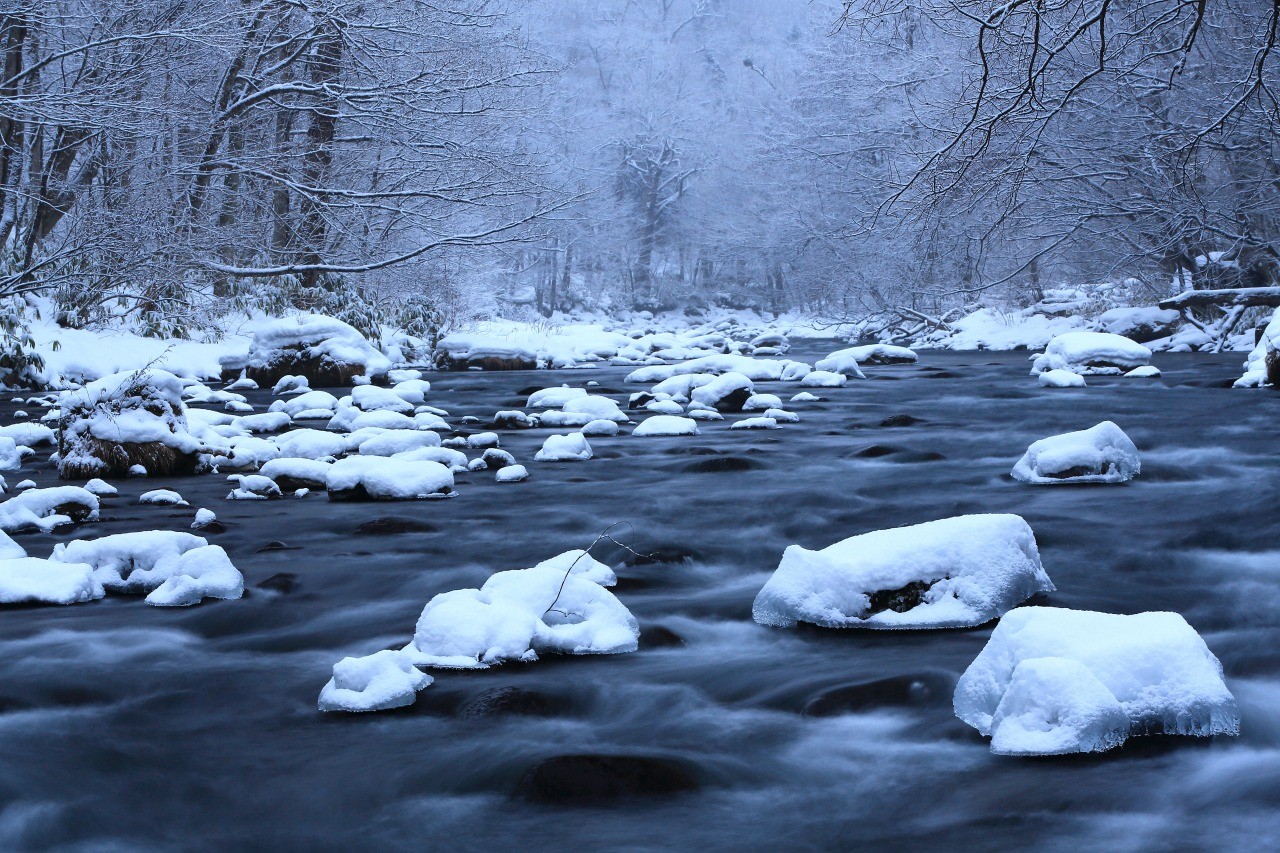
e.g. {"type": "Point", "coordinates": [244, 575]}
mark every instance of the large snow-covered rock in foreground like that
{"type": "Point", "coordinates": [123, 420]}
{"type": "Point", "coordinates": [30, 579]}
{"type": "Point", "coordinates": [1092, 353]}
{"type": "Point", "coordinates": [1263, 365]}
{"type": "Point", "coordinates": [1052, 681]}
{"type": "Point", "coordinates": [325, 350]}
{"type": "Point", "coordinates": [390, 479]}
{"type": "Point", "coordinates": [376, 682]}
{"type": "Point", "coordinates": [1100, 454]}
{"type": "Point", "coordinates": [950, 573]}
{"type": "Point", "coordinates": [519, 614]}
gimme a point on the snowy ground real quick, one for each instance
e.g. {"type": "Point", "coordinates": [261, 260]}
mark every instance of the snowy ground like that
{"type": "Point", "coordinates": [204, 719]}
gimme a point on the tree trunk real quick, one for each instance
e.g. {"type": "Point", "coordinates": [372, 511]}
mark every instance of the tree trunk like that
{"type": "Point", "coordinates": [325, 71]}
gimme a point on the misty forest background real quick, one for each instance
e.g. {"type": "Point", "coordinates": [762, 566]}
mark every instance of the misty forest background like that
{"type": "Point", "coordinates": [172, 161]}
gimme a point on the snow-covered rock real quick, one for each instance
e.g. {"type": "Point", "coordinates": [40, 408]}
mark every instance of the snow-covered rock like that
{"type": "Point", "coordinates": [1263, 365]}
{"type": "Point", "coordinates": [123, 420]}
{"type": "Point", "coordinates": [388, 478]}
{"type": "Point", "coordinates": [101, 488]}
{"type": "Point", "coordinates": [520, 614]}
{"type": "Point", "coordinates": [664, 407]}
{"type": "Point", "coordinates": [463, 350]}
{"type": "Point", "coordinates": [30, 579]}
{"type": "Point", "coordinates": [291, 473]}
{"type": "Point", "coordinates": [843, 361]}
{"type": "Point", "coordinates": [1142, 324]}
{"type": "Point", "coordinates": [324, 350]}
{"type": "Point", "coordinates": [162, 497]}
{"type": "Point", "coordinates": [511, 474]}
{"type": "Point", "coordinates": [1100, 454]}
{"type": "Point", "coordinates": [1092, 353]}
{"type": "Point", "coordinates": [376, 682]}
{"type": "Point", "coordinates": [664, 425]}
{"type": "Point", "coordinates": [601, 428]}
{"type": "Point", "coordinates": [395, 441]}
{"type": "Point", "coordinates": [1041, 684]}
{"type": "Point", "coordinates": [554, 398]}
{"type": "Point", "coordinates": [253, 487]}
{"type": "Point", "coordinates": [309, 405]}
{"type": "Point", "coordinates": [1060, 379]}
{"type": "Point", "coordinates": [756, 423]}
{"type": "Point", "coordinates": [728, 392]}
{"type": "Point", "coordinates": [950, 573]}
{"type": "Point", "coordinates": [595, 408]}
{"type": "Point", "coordinates": [371, 398]}
{"type": "Point", "coordinates": [173, 568]}
{"type": "Point", "coordinates": [823, 379]}
{"type": "Point", "coordinates": [10, 550]}
{"type": "Point", "coordinates": [1147, 371]}
{"type": "Point", "coordinates": [564, 448]}
{"type": "Point", "coordinates": [45, 509]}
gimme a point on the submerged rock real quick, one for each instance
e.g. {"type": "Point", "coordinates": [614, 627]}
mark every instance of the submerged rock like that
{"type": "Point", "coordinates": [583, 779]}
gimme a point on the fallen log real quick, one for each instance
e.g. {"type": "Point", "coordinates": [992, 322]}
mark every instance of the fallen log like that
{"type": "Point", "coordinates": [1231, 297]}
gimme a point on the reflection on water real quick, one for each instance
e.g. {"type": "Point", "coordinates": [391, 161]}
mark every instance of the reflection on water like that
{"type": "Point", "coordinates": [127, 724]}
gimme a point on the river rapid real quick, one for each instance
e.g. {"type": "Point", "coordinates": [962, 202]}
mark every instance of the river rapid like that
{"type": "Point", "coordinates": [125, 725]}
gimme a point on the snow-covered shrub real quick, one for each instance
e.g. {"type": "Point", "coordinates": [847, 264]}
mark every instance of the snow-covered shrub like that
{"type": "Point", "coordinates": [20, 365]}
{"type": "Point", "coordinates": [124, 420]}
{"type": "Point", "coordinates": [324, 349]}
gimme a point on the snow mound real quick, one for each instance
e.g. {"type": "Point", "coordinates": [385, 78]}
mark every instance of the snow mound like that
{"type": "Point", "coordinates": [594, 408]}
{"type": "Point", "coordinates": [1060, 379]}
{"type": "Point", "coordinates": [662, 425]}
{"type": "Point", "coordinates": [600, 428]}
{"type": "Point", "coordinates": [518, 614]}
{"type": "Point", "coordinates": [511, 474]}
{"type": "Point", "coordinates": [728, 392]}
{"type": "Point", "coordinates": [554, 398]}
{"type": "Point", "coordinates": [842, 361]}
{"type": "Point", "coordinates": [951, 573]}
{"type": "Point", "coordinates": [1041, 684]}
{"type": "Point", "coordinates": [322, 349]}
{"type": "Point", "coordinates": [1100, 454]}
{"type": "Point", "coordinates": [45, 509]}
{"type": "Point", "coordinates": [30, 579]}
{"type": "Point", "coordinates": [1263, 365]}
{"type": "Point", "coordinates": [756, 423]}
{"type": "Point", "coordinates": [823, 379]}
{"type": "Point", "coordinates": [395, 441]}
{"type": "Point", "coordinates": [311, 444]}
{"type": "Point", "coordinates": [310, 403]}
{"type": "Point", "coordinates": [375, 682]}
{"type": "Point", "coordinates": [162, 497]}
{"type": "Point", "coordinates": [1147, 371]}
{"type": "Point", "coordinates": [1092, 353]}
{"type": "Point", "coordinates": [388, 478]}
{"type": "Point", "coordinates": [174, 568]}
{"type": "Point", "coordinates": [123, 420]}
{"type": "Point", "coordinates": [564, 448]}
{"type": "Point", "coordinates": [10, 550]}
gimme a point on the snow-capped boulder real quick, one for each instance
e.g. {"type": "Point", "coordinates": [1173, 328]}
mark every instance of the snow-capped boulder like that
{"type": "Point", "coordinates": [1263, 365]}
{"type": "Point", "coordinates": [29, 434]}
{"type": "Point", "coordinates": [32, 580]}
{"type": "Point", "coordinates": [520, 614]}
{"type": "Point", "coordinates": [728, 392]}
{"type": "Point", "coordinates": [601, 428]}
{"type": "Point", "coordinates": [1100, 454]}
{"type": "Point", "coordinates": [841, 361]}
{"type": "Point", "coordinates": [824, 379]}
{"type": "Point", "coordinates": [464, 350]}
{"type": "Point", "coordinates": [322, 349]}
{"type": "Point", "coordinates": [253, 487]}
{"type": "Point", "coordinates": [311, 444]}
{"type": "Point", "coordinates": [371, 398]}
{"type": "Point", "coordinates": [756, 423]}
{"type": "Point", "coordinates": [162, 497]}
{"type": "Point", "coordinates": [664, 407]}
{"type": "Point", "coordinates": [292, 473]}
{"type": "Point", "coordinates": [1141, 324]}
{"type": "Point", "coordinates": [554, 398]}
{"type": "Point", "coordinates": [664, 425]}
{"type": "Point", "coordinates": [173, 568]}
{"type": "Point", "coordinates": [395, 441]}
{"type": "Point", "coordinates": [951, 573]}
{"type": "Point", "coordinates": [1092, 353]}
{"type": "Point", "coordinates": [511, 474]}
{"type": "Point", "coordinates": [1060, 379]}
{"type": "Point", "coordinates": [376, 682]}
{"type": "Point", "coordinates": [594, 408]}
{"type": "Point", "coordinates": [1041, 684]}
{"type": "Point", "coordinates": [760, 402]}
{"type": "Point", "coordinates": [123, 420]}
{"type": "Point", "coordinates": [10, 550]}
{"type": "Point", "coordinates": [564, 448]}
{"type": "Point", "coordinates": [45, 509]}
{"type": "Point", "coordinates": [309, 405]}
{"type": "Point", "coordinates": [883, 354]}
{"type": "Point", "coordinates": [388, 478]}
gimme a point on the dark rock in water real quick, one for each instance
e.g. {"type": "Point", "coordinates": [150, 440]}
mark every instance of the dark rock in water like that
{"type": "Point", "coordinates": [875, 451]}
{"type": "Point", "coordinates": [506, 701]}
{"type": "Point", "coordinates": [277, 545]}
{"type": "Point", "coordinates": [733, 401]}
{"type": "Point", "coordinates": [942, 374]}
{"type": "Point", "coordinates": [359, 493]}
{"type": "Point", "coordinates": [480, 361]}
{"type": "Point", "coordinates": [496, 459]}
{"type": "Point", "coordinates": [214, 526]}
{"type": "Point", "coordinates": [717, 464]}
{"type": "Point", "coordinates": [282, 582]}
{"type": "Point", "coordinates": [899, 600]}
{"type": "Point", "coordinates": [512, 420]}
{"type": "Point", "coordinates": [899, 421]}
{"type": "Point", "coordinates": [658, 637]}
{"type": "Point", "coordinates": [919, 689]}
{"type": "Point", "coordinates": [388, 526]}
{"type": "Point", "coordinates": [919, 456]}
{"type": "Point", "coordinates": [662, 555]}
{"type": "Point", "coordinates": [640, 399]}
{"type": "Point", "coordinates": [591, 779]}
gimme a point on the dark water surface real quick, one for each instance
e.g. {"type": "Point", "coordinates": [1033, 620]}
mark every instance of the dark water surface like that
{"type": "Point", "coordinates": [125, 725]}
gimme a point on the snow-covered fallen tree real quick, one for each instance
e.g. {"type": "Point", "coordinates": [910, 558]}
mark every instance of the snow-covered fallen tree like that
{"type": "Point", "coordinates": [950, 573]}
{"type": "Point", "coordinates": [1052, 681]}
{"type": "Point", "coordinates": [124, 420]}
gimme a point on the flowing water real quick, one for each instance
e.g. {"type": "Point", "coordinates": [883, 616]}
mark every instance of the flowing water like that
{"type": "Point", "coordinates": [127, 725]}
